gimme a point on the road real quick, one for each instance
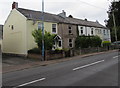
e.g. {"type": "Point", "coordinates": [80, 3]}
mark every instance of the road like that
{"type": "Point", "coordinates": [97, 70]}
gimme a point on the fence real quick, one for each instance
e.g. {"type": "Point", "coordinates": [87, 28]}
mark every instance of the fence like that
{"type": "Point", "coordinates": [91, 50]}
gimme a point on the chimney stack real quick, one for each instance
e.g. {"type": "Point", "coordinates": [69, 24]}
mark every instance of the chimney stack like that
{"type": "Point", "coordinates": [63, 14]}
{"type": "Point", "coordinates": [14, 5]}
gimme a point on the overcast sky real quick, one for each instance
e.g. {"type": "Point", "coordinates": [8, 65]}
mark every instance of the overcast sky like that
{"type": "Point", "coordinates": [91, 9]}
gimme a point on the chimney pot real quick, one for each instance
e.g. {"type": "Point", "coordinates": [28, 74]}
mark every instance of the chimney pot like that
{"type": "Point", "coordinates": [15, 5]}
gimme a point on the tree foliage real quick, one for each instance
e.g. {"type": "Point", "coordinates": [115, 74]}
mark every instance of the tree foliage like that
{"type": "Point", "coordinates": [48, 39]}
{"type": "Point", "coordinates": [87, 41]}
{"type": "Point", "coordinates": [115, 7]}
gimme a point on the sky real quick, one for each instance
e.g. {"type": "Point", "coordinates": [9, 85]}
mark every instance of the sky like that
{"type": "Point", "coordinates": [92, 10]}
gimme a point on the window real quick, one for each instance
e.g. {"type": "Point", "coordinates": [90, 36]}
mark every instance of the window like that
{"type": "Point", "coordinates": [92, 31]}
{"type": "Point", "coordinates": [81, 27]}
{"type": "Point", "coordinates": [104, 32]}
{"type": "Point", "coordinates": [12, 27]}
{"type": "Point", "coordinates": [81, 32]}
{"type": "Point", "coordinates": [96, 31]}
{"type": "Point", "coordinates": [59, 43]}
{"type": "Point", "coordinates": [107, 32]}
{"type": "Point", "coordinates": [39, 26]}
{"type": "Point", "coordinates": [70, 29]}
{"type": "Point", "coordinates": [99, 31]}
{"type": "Point", "coordinates": [70, 43]}
{"type": "Point", "coordinates": [70, 40]}
{"type": "Point", "coordinates": [54, 28]}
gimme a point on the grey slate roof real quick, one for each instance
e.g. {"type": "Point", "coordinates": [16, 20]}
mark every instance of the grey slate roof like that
{"type": "Point", "coordinates": [37, 15]}
{"type": "Point", "coordinates": [1, 29]}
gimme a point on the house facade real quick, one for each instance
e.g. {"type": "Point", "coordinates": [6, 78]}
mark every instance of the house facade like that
{"type": "Point", "coordinates": [68, 34]}
{"type": "Point", "coordinates": [103, 33]}
{"type": "Point", "coordinates": [17, 30]}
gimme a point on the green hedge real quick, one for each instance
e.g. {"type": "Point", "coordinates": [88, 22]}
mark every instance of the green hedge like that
{"type": "Point", "coordinates": [87, 41]}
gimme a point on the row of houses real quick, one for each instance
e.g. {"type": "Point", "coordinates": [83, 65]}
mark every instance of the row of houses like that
{"type": "Point", "coordinates": [17, 30]}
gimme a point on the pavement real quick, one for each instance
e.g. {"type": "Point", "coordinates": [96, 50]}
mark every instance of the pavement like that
{"type": "Point", "coordinates": [98, 69]}
{"type": "Point", "coordinates": [10, 64]}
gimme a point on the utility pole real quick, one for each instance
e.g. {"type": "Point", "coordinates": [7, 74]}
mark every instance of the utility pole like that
{"type": "Point", "coordinates": [43, 49]}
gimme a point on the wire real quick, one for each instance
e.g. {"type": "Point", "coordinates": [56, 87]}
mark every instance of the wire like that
{"type": "Point", "coordinates": [92, 5]}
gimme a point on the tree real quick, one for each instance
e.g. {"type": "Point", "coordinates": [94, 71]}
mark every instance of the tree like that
{"type": "Point", "coordinates": [115, 7]}
{"type": "Point", "coordinates": [48, 39]}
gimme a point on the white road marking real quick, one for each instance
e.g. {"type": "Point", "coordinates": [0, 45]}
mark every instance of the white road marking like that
{"type": "Point", "coordinates": [115, 57]}
{"type": "Point", "coordinates": [87, 65]}
{"type": "Point", "coordinates": [30, 82]}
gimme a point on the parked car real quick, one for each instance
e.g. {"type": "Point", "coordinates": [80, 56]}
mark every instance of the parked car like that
{"type": "Point", "coordinates": [116, 44]}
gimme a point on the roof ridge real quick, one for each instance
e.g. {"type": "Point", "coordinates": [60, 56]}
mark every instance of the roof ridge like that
{"type": "Point", "coordinates": [57, 18]}
{"type": "Point", "coordinates": [37, 11]}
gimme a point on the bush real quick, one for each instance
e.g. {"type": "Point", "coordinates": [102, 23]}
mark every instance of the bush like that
{"type": "Point", "coordinates": [106, 43]}
{"type": "Point", "coordinates": [87, 41]}
{"type": "Point", "coordinates": [48, 39]}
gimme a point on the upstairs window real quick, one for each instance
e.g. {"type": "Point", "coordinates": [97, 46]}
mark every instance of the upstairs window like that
{"type": "Point", "coordinates": [39, 26]}
{"type": "Point", "coordinates": [53, 28]}
{"type": "Point", "coordinates": [99, 31]}
{"type": "Point", "coordinates": [81, 32]}
{"type": "Point", "coordinates": [81, 27]}
{"type": "Point", "coordinates": [108, 32]}
{"type": "Point", "coordinates": [92, 31]}
{"type": "Point", "coordinates": [104, 32]}
{"type": "Point", "coordinates": [70, 29]}
{"type": "Point", "coordinates": [12, 27]}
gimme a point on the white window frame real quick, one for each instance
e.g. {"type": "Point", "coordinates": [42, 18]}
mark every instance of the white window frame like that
{"type": "Point", "coordinates": [55, 28]}
{"type": "Point", "coordinates": [39, 25]}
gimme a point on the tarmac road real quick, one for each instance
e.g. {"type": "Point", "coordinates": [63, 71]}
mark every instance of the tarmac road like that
{"type": "Point", "coordinates": [97, 70]}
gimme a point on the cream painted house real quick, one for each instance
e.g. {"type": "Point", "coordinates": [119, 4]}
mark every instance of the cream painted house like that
{"type": "Point", "coordinates": [17, 30]}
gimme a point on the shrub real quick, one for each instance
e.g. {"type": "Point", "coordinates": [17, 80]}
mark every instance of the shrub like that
{"type": "Point", "coordinates": [48, 39]}
{"type": "Point", "coordinates": [106, 43]}
{"type": "Point", "coordinates": [87, 41]}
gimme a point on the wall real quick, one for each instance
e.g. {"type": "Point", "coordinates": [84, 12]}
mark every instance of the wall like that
{"type": "Point", "coordinates": [106, 36]}
{"type": "Point", "coordinates": [31, 27]}
{"type": "Point", "coordinates": [14, 40]}
{"type": "Point", "coordinates": [63, 31]}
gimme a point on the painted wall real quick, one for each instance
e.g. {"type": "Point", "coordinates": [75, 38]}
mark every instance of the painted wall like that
{"type": "Point", "coordinates": [14, 34]}
{"type": "Point", "coordinates": [31, 26]}
{"type": "Point", "coordinates": [86, 30]}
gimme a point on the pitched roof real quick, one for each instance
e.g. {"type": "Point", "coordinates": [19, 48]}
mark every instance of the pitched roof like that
{"type": "Point", "coordinates": [37, 15]}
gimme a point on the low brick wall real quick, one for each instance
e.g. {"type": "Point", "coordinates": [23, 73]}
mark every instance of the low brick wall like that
{"type": "Point", "coordinates": [48, 56]}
